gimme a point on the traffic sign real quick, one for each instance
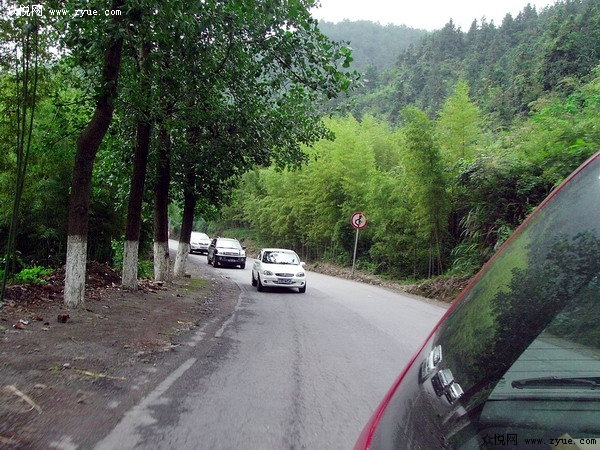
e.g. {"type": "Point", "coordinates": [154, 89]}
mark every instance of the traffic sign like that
{"type": "Point", "coordinates": [358, 220]}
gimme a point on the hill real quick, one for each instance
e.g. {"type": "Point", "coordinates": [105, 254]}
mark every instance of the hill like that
{"type": "Point", "coordinates": [373, 45]}
{"type": "Point", "coordinates": [508, 67]}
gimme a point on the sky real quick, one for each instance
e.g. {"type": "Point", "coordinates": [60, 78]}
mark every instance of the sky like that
{"type": "Point", "coordinates": [424, 14]}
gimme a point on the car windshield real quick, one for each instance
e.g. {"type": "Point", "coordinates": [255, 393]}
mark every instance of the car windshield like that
{"type": "Point", "coordinates": [226, 243]}
{"type": "Point", "coordinates": [518, 357]}
{"type": "Point", "coordinates": [279, 257]}
{"type": "Point", "coordinates": [199, 236]}
{"type": "Point", "coordinates": [533, 346]}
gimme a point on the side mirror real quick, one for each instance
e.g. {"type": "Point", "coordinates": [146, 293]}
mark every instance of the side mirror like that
{"type": "Point", "coordinates": [302, 263]}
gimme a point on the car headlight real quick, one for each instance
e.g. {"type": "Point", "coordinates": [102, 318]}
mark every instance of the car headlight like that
{"type": "Point", "coordinates": [300, 274]}
{"type": "Point", "coordinates": [267, 272]}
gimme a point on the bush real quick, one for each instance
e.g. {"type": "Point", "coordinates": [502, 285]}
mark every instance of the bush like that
{"type": "Point", "coordinates": [145, 269]}
{"type": "Point", "coordinates": [32, 275]}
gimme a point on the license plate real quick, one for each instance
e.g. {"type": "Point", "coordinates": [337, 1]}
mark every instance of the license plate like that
{"type": "Point", "coordinates": [284, 281]}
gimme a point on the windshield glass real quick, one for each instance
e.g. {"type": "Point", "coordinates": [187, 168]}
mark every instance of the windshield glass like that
{"type": "Point", "coordinates": [228, 243]}
{"type": "Point", "coordinates": [279, 257]}
{"type": "Point", "coordinates": [518, 357]}
{"type": "Point", "coordinates": [530, 345]}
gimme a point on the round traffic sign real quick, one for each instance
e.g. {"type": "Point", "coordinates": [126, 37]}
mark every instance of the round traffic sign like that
{"type": "Point", "coordinates": [358, 220]}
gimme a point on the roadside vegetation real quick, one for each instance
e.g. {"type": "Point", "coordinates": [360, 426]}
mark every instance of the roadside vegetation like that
{"type": "Point", "coordinates": [448, 142]}
{"type": "Point", "coordinates": [436, 205]}
{"type": "Point", "coordinates": [446, 152]}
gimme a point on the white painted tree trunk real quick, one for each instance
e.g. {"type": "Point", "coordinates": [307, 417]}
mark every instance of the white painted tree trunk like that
{"type": "Point", "coordinates": [181, 259]}
{"type": "Point", "coordinates": [161, 261]}
{"type": "Point", "coordinates": [129, 273]}
{"type": "Point", "coordinates": [75, 271]}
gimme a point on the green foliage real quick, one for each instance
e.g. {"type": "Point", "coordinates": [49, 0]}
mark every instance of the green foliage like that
{"type": "Point", "coordinates": [32, 275]}
{"type": "Point", "coordinates": [426, 213]}
{"type": "Point", "coordinates": [364, 169]}
{"type": "Point", "coordinates": [507, 66]}
{"type": "Point", "coordinates": [493, 195]}
{"type": "Point", "coordinates": [145, 269]}
{"type": "Point", "coordinates": [396, 237]}
{"type": "Point", "coordinates": [459, 125]}
{"type": "Point", "coordinates": [310, 209]}
{"type": "Point", "coordinates": [425, 169]}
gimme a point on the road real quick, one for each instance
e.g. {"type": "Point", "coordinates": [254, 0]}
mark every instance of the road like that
{"type": "Point", "coordinates": [286, 371]}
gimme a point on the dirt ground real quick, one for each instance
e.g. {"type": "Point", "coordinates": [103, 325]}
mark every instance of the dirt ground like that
{"type": "Point", "coordinates": [75, 372]}
{"type": "Point", "coordinates": [444, 289]}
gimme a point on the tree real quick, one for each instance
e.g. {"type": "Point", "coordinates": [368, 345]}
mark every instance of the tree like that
{"type": "Point", "coordinates": [138, 176]}
{"type": "Point", "coordinates": [459, 125]}
{"type": "Point", "coordinates": [25, 60]}
{"type": "Point", "coordinates": [88, 143]}
{"type": "Point", "coordinates": [425, 168]}
{"type": "Point", "coordinates": [257, 94]}
{"type": "Point", "coordinates": [161, 193]}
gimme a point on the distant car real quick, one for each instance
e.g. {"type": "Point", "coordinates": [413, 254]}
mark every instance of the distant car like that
{"type": "Point", "coordinates": [515, 362]}
{"type": "Point", "coordinates": [226, 252]}
{"type": "Point", "coordinates": [199, 242]}
{"type": "Point", "coordinates": [278, 267]}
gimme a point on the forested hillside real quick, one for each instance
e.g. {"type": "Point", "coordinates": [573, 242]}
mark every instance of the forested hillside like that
{"type": "Point", "coordinates": [448, 152]}
{"type": "Point", "coordinates": [374, 47]}
{"type": "Point", "coordinates": [508, 66]}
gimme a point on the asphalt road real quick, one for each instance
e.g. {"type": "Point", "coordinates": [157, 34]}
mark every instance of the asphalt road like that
{"type": "Point", "coordinates": [287, 371]}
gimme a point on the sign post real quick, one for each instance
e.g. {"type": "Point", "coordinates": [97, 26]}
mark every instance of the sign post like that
{"type": "Point", "coordinates": [358, 221]}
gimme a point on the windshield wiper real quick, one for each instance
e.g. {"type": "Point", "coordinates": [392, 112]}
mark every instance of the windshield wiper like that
{"type": "Point", "coordinates": [558, 382]}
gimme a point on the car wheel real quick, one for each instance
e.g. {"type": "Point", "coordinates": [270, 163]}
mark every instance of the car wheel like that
{"type": "Point", "coordinates": [302, 290]}
{"type": "Point", "coordinates": [243, 266]}
{"type": "Point", "coordinates": [253, 280]}
{"type": "Point", "coordinates": [259, 286]}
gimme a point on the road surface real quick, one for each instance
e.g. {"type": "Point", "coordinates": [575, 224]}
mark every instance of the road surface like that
{"type": "Point", "coordinates": [286, 371]}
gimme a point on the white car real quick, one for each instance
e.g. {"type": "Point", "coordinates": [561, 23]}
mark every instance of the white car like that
{"type": "Point", "coordinates": [199, 242]}
{"type": "Point", "coordinates": [278, 267]}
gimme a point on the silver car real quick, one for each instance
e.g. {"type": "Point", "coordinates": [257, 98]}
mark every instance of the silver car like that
{"type": "Point", "coordinates": [199, 242]}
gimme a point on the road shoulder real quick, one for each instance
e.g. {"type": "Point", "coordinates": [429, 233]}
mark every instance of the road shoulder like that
{"type": "Point", "coordinates": [66, 385]}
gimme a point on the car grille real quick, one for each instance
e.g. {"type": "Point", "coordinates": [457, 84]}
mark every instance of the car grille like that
{"type": "Point", "coordinates": [229, 253]}
{"type": "Point", "coordinates": [284, 274]}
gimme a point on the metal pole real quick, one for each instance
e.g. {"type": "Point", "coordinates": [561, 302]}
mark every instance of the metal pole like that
{"type": "Point", "coordinates": [354, 257]}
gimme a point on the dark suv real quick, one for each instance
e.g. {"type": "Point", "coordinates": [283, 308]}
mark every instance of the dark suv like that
{"type": "Point", "coordinates": [515, 362]}
{"type": "Point", "coordinates": [226, 252]}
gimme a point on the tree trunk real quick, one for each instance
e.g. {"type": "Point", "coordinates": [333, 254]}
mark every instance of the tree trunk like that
{"type": "Point", "coordinates": [88, 143]}
{"type": "Point", "coordinates": [138, 178]}
{"type": "Point", "coordinates": [187, 224]}
{"type": "Point", "coordinates": [161, 203]}
{"type": "Point", "coordinates": [134, 207]}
